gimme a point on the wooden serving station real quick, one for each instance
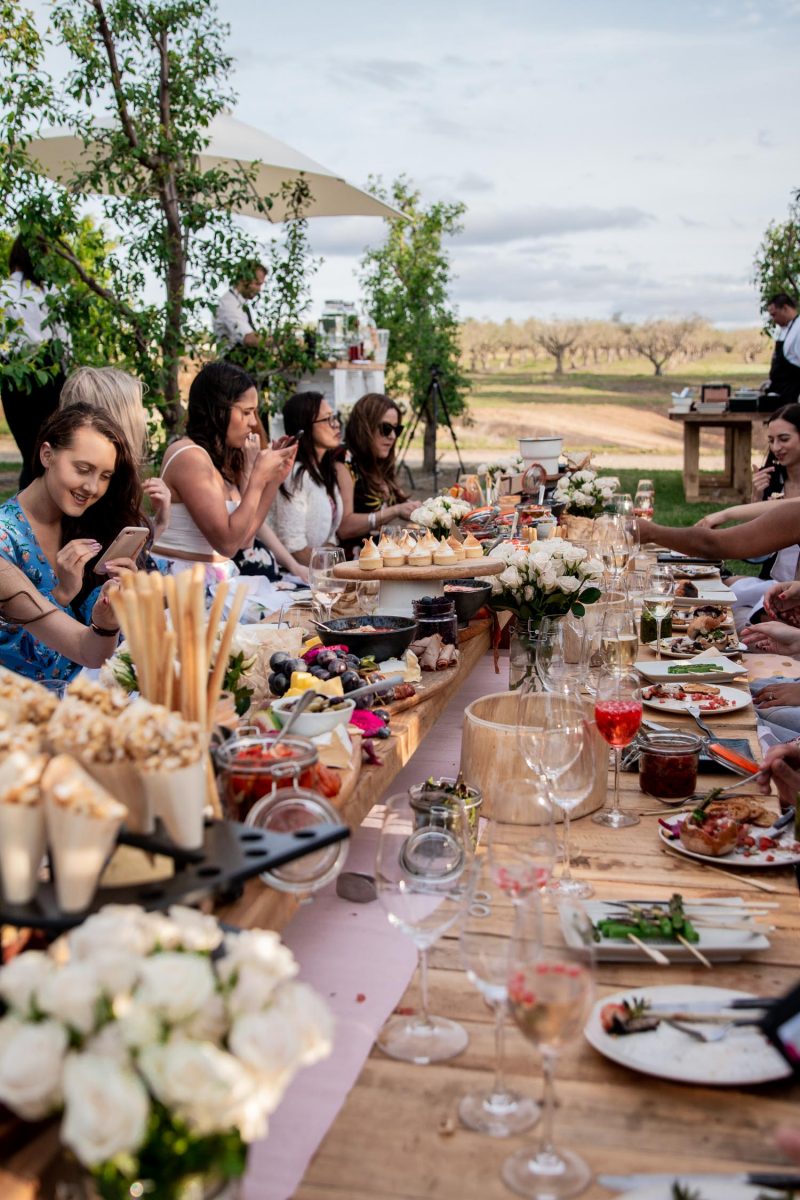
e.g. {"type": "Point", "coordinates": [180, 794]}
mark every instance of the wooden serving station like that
{"type": "Point", "coordinates": [400, 586]}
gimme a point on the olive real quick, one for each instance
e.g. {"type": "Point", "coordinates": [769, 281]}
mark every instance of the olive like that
{"type": "Point", "coordinates": [279, 660]}
{"type": "Point", "coordinates": [319, 673]}
{"type": "Point", "coordinates": [278, 683]}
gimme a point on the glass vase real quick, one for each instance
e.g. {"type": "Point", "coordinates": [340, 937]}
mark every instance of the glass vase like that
{"type": "Point", "coordinates": [193, 1187]}
{"type": "Point", "coordinates": [522, 638]}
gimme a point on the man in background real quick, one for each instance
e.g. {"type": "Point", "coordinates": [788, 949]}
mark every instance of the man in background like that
{"type": "Point", "coordinates": [784, 370]}
{"type": "Point", "coordinates": [233, 321]}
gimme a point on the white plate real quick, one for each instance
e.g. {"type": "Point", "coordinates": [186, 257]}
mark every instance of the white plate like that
{"type": "Point", "coordinates": [708, 1191]}
{"type": "Point", "coordinates": [718, 945]}
{"type": "Point", "coordinates": [782, 855]}
{"type": "Point", "coordinates": [696, 573]}
{"type": "Point", "coordinates": [663, 672]}
{"type": "Point", "coordinates": [707, 593]}
{"type": "Point", "coordinates": [739, 700]}
{"type": "Point", "coordinates": [668, 652]}
{"type": "Point", "coordinates": [741, 1059]}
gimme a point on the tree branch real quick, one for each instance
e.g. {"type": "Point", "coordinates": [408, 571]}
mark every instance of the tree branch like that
{"type": "Point", "coordinates": [63, 251]}
{"type": "Point", "coordinates": [116, 82]}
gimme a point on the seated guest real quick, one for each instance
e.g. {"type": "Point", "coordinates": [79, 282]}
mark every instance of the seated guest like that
{"type": "Point", "coordinates": [764, 534]}
{"type": "Point", "coordinates": [23, 606]}
{"type": "Point", "coordinates": [308, 507]}
{"type": "Point", "coordinates": [221, 482]}
{"type": "Point", "coordinates": [120, 395]}
{"type": "Point", "coordinates": [777, 698]}
{"type": "Point", "coordinates": [780, 479]}
{"type": "Point", "coordinates": [84, 491]}
{"type": "Point", "coordinates": [371, 494]}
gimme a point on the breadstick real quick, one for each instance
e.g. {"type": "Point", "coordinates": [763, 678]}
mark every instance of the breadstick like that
{"type": "Point", "coordinates": [221, 661]}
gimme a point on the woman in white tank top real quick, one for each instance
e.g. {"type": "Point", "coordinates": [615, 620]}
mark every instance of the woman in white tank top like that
{"type": "Point", "coordinates": [221, 484]}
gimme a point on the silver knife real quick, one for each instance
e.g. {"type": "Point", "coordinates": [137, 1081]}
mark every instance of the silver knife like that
{"type": "Point", "coordinates": [628, 1183]}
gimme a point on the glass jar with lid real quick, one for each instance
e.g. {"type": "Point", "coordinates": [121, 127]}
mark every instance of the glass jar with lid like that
{"type": "Point", "coordinates": [668, 764]}
{"type": "Point", "coordinates": [251, 767]}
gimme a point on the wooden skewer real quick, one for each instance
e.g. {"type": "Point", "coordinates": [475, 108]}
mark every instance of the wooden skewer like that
{"type": "Point", "coordinates": [741, 879]}
{"type": "Point", "coordinates": [693, 950]}
{"type": "Point", "coordinates": [650, 951]}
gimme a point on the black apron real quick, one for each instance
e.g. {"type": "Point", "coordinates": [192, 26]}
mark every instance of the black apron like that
{"type": "Point", "coordinates": [784, 376]}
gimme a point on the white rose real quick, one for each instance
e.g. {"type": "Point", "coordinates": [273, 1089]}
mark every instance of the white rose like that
{"type": "Point", "coordinates": [197, 931]}
{"type": "Point", "coordinates": [175, 985]}
{"type": "Point", "coordinates": [547, 580]}
{"type": "Point", "coordinates": [22, 977]}
{"type": "Point", "coordinates": [311, 1017]}
{"type": "Point", "coordinates": [109, 1043]}
{"type": "Point", "coordinates": [269, 1044]}
{"type": "Point", "coordinates": [116, 927]}
{"type": "Point", "coordinates": [210, 1024]}
{"type": "Point", "coordinates": [482, 469]}
{"type": "Point", "coordinates": [30, 1069]}
{"type": "Point", "coordinates": [258, 946]}
{"type": "Point", "coordinates": [72, 995]}
{"type": "Point", "coordinates": [528, 592]}
{"type": "Point", "coordinates": [253, 988]}
{"type": "Point", "coordinates": [138, 1025]}
{"type": "Point", "coordinates": [568, 583]}
{"type": "Point", "coordinates": [106, 1109]}
{"type": "Point", "coordinates": [510, 577]}
{"type": "Point", "coordinates": [206, 1087]}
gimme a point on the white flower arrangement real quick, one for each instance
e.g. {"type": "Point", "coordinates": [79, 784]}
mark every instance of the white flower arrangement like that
{"type": "Point", "coordinates": [440, 514]}
{"type": "Point", "coordinates": [545, 579]}
{"type": "Point", "coordinates": [493, 471]}
{"type": "Point", "coordinates": [169, 1043]}
{"type": "Point", "coordinates": [585, 492]}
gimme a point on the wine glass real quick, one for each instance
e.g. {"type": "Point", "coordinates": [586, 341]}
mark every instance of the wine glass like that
{"type": "Point", "coordinates": [368, 593]}
{"type": "Point", "coordinates": [550, 993]}
{"type": "Point", "coordinates": [593, 655]}
{"type": "Point", "coordinates": [569, 789]}
{"type": "Point", "coordinates": [658, 599]}
{"type": "Point", "coordinates": [558, 654]}
{"type": "Point", "coordinates": [618, 637]}
{"type": "Point", "coordinates": [484, 941]}
{"type": "Point", "coordinates": [618, 714]}
{"type": "Point", "coordinates": [644, 500]}
{"type": "Point", "coordinates": [616, 547]}
{"type": "Point", "coordinates": [522, 837]}
{"type": "Point", "coordinates": [422, 871]}
{"type": "Point", "coordinates": [621, 503]}
{"type": "Point", "coordinates": [324, 586]}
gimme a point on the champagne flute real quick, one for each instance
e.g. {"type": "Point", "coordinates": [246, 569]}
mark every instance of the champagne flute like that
{"type": "Point", "coordinates": [658, 599]}
{"type": "Point", "coordinates": [325, 588]}
{"type": "Point", "coordinates": [569, 789]}
{"type": "Point", "coordinates": [422, 872]}
{"type": "Point", "coordinates": [484, 940]}
{"type": "Point", "coordinates": [618, 714]}
{"type": "Point", "coordinates": [616, 547]}
{"type": "Point", "coordinates": [550, 992]}
{"type": "Point", "coordinates": [618, 637]}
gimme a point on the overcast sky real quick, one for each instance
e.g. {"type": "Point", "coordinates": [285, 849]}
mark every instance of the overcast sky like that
{"type": "Point", "coordinates": [614, 155]}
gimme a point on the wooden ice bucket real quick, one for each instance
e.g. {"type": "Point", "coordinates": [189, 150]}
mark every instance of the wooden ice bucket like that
{"type": "Point", "coordinates": [491, 761]}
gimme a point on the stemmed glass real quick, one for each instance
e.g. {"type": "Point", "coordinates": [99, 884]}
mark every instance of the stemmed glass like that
{"type": "Point", "coordinates": [618, 637]}
{"type": "Point", "coordinates": [483, 943]}
{"type": "Point", "coordinates": [550, 992]}
{"type": "Point", "coordinates": [616, 547]}
{"type": "Point", "coordinates": [324, 586]}
{"type": "Point", "coordinates": [618, 713]}
{"type": "Point", "coordinates": [658, 599]}
{"type": "Point", "coordinates": [558, 654]}
{"type": "Point", "coordinates": [621, 503]}
{"type": "Point", "coordinates": [422, 871]}
{"type": "Point", "coordinates": [569, 789]}
{"type": "Point", "coordinates": [522, 838]}
{"type": "Point", "coordinates": [593, 655]}
{"type": "Point", "coordinates": [644, 500]}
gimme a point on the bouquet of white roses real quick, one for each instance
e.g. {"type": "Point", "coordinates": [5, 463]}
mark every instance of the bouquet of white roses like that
{"type": "Point", "coordinates": [585, 492]}
{"type": "Point", "coordinates": [493, 471]}
{"type": "Point", "coordinates": [166, 1062]}
{"type": "Point", "coordinates": [545, 579]}
{"type": "Point", "coordinates": [440, 514]}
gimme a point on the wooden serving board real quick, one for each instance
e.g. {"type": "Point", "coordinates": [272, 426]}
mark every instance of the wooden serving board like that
{"type": "Point", "coordinates": [463, 570]}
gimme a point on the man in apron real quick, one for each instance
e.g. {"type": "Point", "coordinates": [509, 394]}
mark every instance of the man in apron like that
{"type": "Point", "coordinates": [784, 371]}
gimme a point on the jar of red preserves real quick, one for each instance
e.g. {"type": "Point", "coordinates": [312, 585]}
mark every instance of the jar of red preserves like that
{"type": "Point", "coordinates": [250, 767]}
{"type": "Point", "coordinates": [668, 764]}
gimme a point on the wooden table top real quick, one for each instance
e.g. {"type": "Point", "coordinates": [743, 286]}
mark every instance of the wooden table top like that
{"type": "Point", "coordinates": [398, 1135]}
{"type": "Point", "coordinates": [698, 417]}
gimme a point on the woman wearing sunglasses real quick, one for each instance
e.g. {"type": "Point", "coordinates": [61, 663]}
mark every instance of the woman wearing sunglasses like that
{"type": "Point", "coordinates": [308, 507]}
{"type": "Point", "coordinates": [371, 495]}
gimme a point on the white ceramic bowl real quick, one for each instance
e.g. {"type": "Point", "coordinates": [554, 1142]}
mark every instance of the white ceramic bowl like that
{"type": "Point", "coordinates": [311, 725]}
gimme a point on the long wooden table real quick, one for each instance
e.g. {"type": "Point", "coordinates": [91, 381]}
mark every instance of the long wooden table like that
{"type": "Point", "coordinates": [398, 1135]}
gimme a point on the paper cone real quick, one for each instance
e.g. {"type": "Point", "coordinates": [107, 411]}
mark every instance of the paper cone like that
{"type": "Point", "coordinates": [22, 844]}
{"type": "Point", "coordinates": [79, 847]}
{"type": "Point", "coordinates": [178, 798]}
{"type": "Point", "coordinates": [124, 782]}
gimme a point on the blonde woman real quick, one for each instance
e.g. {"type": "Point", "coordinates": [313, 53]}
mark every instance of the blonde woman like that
{"type": "Point", "coordinates": [119, 395]}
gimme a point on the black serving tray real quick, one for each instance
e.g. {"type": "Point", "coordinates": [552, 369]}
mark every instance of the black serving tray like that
{"type": "Point", "coordinates": [231, 853]}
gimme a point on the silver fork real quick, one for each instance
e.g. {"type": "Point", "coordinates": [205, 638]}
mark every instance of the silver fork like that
{"type": "Point", "coordinates": [712, 1033]}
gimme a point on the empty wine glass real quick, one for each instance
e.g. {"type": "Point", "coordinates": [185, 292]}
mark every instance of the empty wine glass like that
{"type": "Point", "coordinates": [569, 789]}
{"type": "Point", "coordinates": [422, 871]}
{"type": "Point", "coordinates": [659, 598]}
{"type": "Point", "coordinates": [621, 503]}
{"type": "Point", "coordinates": [484, 941]}
{"type": "Point", "coordinates": [550, 992]}
{"type": "Point", "coordinates": [618, 713]}
{"type": "Point", "coordinates": [522, 837]}
{"type": "Point", "coordinates": [325, 588]}
{"type": "Point", "coordinates": [616, 547]}
{"type": "Point", "coordinates": [558, 654]}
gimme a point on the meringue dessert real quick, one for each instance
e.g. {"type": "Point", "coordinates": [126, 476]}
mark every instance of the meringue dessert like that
{"type": "Point", "coordinates": [420, 556]}
{"type": "Point", "coordinates": [444, 555]}
{"type": "Point", "coordinates": [472, 547]}
{"type": "Point", "coordinates": [370, 557]}
{"type": "Point", "coordinates": [456, 547]}
{"type": "Point", "coordinates": [393, 554]}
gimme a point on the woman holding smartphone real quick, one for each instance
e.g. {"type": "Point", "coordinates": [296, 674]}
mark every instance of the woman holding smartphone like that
{"type": "Point", "coordinates": [85, 489]}
{"type": "Point", "coordinates": [221, 482]}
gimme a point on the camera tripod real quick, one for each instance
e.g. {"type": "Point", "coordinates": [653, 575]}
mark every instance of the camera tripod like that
{"type": "Point", "coordinates": [430, 407]}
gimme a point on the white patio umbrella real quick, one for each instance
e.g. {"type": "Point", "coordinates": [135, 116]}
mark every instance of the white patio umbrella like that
{"type": "Point", "coordinates": [232, 141]}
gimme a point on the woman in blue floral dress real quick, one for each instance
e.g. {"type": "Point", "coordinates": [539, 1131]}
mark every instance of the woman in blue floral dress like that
{"type": "Point", "coordinates": [85, 490]}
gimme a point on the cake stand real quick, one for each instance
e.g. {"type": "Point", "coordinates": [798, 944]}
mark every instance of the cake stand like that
{"type": "Point", "coordinates": [400, 586]}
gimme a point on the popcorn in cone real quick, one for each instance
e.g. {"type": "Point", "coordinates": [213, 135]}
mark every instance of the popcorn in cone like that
{"type": "Point", "coordinates": [22, 826]}
{"type": "Point", "coordinates": [178, 797]}
{"type": "Point", "coordinates": [124, 782]}
{"type": "Point", "coordinates": [82, 823]}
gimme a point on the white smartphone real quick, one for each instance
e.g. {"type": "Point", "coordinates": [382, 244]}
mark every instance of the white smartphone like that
{"type": "Point", "coordinates": [128, 543]}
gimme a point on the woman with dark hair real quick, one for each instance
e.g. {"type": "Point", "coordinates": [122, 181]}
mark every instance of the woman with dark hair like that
{"type": "Point", "coordinates": [778, 480]}
{"type": "Point", "coordinates": [30, 333]}
{"type": "Point", "coordinates": [371, 494]}
{"type": "Point", "coordinates": [221, 482]}
{"type": "Point", "coordinates": [84, 491]}
{"type": "Point", "coordinates": [308, 507]}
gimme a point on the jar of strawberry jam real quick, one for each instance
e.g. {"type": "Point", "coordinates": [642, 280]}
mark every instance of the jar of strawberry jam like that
{"type": "Point", "coordinates": [668, 764]}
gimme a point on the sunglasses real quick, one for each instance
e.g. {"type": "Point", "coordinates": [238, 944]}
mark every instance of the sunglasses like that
{"type": "Point", "coordinates": [386, 429]}
{"type": "Point", "coordinates": [333, 420]}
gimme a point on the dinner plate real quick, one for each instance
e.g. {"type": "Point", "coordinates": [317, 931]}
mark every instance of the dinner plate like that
{"type": "Point", "coordinates": [718, 945]}
{"type": "Point", "coordinates": [719, 1190]}
{"type": "Point", "coordinates": [741, 1059]}
{"type": "Point", "coordinates": [698, 572]}
{"type": "Point", "coordinates": [666, 672]}
{"type": "Point", "coordinates": [781, 856]}
{"type": "Point", "coordinates": [707, 593]}
{"type": "Point", "coordinates": [667, 650]}
{"type": "Point", "coordinates": [738, 700]}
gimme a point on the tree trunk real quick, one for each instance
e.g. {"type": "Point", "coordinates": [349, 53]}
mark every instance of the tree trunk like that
{"type": "Point", "coordinates": [429, 448]}
{"type": "Point", "coordinates": [657, 366]}
{"type": "Point", "coordinates": [559, 357]}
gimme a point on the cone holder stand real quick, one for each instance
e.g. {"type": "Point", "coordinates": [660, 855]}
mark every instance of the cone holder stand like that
{"type": "Point", "coordinates": [231, 854]}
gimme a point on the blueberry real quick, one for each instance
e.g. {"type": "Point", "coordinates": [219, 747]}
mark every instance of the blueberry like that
{"type": "Point", "coordinates": [382, 733]}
